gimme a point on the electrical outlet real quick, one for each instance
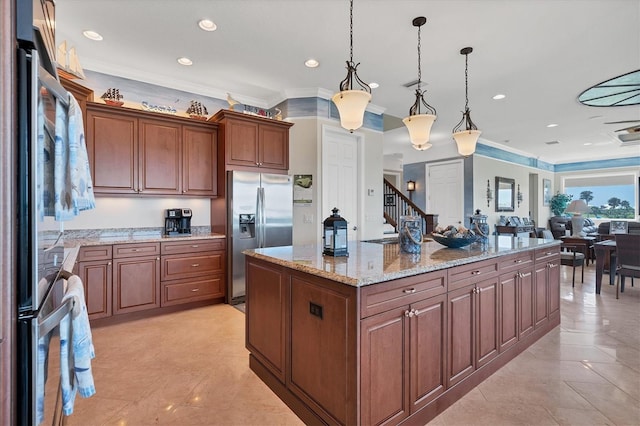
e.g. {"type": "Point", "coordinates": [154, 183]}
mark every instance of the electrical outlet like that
{"type": "Point", "coordinates": [315, 310]}
{"type": "Point", "coordinates": [307, 218]}
{"type": "Point", "coordinates": [370, 192]}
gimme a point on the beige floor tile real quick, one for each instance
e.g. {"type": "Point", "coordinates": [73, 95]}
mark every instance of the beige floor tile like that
{"type": "Point", "coordinates": [613, 403]}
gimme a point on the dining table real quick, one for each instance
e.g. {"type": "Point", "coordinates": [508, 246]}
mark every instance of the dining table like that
{"type": "Point", "coordinates": [605, 250]}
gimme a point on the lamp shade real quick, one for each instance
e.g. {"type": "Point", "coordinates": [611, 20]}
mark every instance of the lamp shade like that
{"type": "Point", "coordinates": [411, 185]}
{"type": "Point", "coordinates": [351, 105]}
{"type": "Point", "coordinates": [466, 141]}
{"type": "Point", "coordinates": [419, 127]}
{"type": "Point", "coordinates": [577, 207]}
{"type": "Point", "coordinates": [423, 147]}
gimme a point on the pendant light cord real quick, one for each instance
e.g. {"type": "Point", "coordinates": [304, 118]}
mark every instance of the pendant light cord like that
{"type": "Point", "coordinates": [466, 82]}
{"type": "Point", "coordinates": [351, 32]}
{"type": "Point", "coordinates": [419, 61]}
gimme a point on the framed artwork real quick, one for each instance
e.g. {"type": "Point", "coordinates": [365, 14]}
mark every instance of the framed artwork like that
{"type": "Point", "coordinates": [389, 200]}
{"type": "Point", "coordinates": [546, 192]}
{"type": "Point", "coordinates": [514, 221]}
{"type": "Point", "coordinates": [618, 227]}
{"type": "Point", "coordinates": [302, 189]}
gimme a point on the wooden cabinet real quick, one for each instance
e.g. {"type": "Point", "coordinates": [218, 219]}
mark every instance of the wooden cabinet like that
{"type": "Point", "coordinates": [547, 276]}
{"type": "Point", "coordinates": [192, 271]}
{"type": "Point", "coordinates": [94, 267]}
{"type": "Point", "coordinates": [135, 152]}
{"type": "Point", "coordinates": [252, 142]}
{"type": "Point", "coordinates": [136, 278]}
{"type": "Point", "coordinates": [472, 329]}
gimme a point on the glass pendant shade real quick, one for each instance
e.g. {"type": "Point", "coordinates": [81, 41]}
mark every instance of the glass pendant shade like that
{"type": "Point", "coordinates": [419, 127]}
{"type": "Point", "coordinates": [466, 141]}
{"type": "Point", "coordinates": [351, 105]}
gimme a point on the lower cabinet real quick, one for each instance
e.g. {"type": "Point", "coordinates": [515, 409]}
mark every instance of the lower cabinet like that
{"type": "Point", "coordinates": [125, 278]}
{"type": "Point", "coordinates": [473, 328]}
{"type": "Point", "coordinates": [136, 279]}
{"type": "Point", "coordinates": [403, 360]}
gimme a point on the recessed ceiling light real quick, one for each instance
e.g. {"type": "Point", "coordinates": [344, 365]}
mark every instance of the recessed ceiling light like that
{"type": "Point", "coordinates": [499, 96]}
{"type": "Point", "coordinates": [207, 25]}
{"type": "Point", "coordinates": [552, 125]}
{"type": "Point", "coordinates": [92, 35]}
{"type": "Point", "coordinates": [587, 143]}
{"type": "Point", "coordinates": [311, 63]}
{"type": "Point", "coordinates": [185, 61]}
{"type": "Point", "coordinates": [374, 85]}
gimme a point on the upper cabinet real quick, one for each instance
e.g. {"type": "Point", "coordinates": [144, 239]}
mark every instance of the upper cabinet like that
{"type": "Point", "coordinates": [135, 152]}
{"type": "Point", "coordinates": [248, 141]}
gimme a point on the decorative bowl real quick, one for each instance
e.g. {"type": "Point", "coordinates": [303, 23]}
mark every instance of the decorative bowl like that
{"type": "Point", "coordinates": [455, 242]}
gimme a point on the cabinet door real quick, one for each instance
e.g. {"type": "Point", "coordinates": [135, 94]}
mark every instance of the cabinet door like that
{"type": "Point", "coordinates": [265, 326]}
{"type": "Point", "coordinates": [136, 284]}
{"type": "Point", "coordinates": [384, 353]}
{"type": "Point", "coordinates": [199, 169]}
{"type": "Point", "coordinates": [428, 350]}
{"type": "Point", "coordinates": [96, 277]}
{"type": "Point", "coordinates": [273, 147]}
{"type": "Point", "coordinates": [508, 310]}
{"type": "Point", "coordinates": [553, 284]}
{"type": "Point", "coordinates": [113, 152]}
{"type": "Point", "coordinates": [241, 139]}
{"type": "Point", "coordinates": [486, 299]}
{"type": "Point", "coordinates": [160, 161]}
{"type": "Point", "coordinates": [526, 306]}
{"type": "Point", "coordinates": [541, 312]}
{"type": "Point", "coordinates": [460, 333]}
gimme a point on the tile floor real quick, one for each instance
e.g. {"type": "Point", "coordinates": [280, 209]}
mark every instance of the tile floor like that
{"type": "Point", "coordinates": [191, 368]}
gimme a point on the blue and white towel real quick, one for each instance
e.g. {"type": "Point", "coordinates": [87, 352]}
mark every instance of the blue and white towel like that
{"type": "Point", "coordinates": [76, 349]}
{"type": "Point", "coordinates": [72, 184]}
{"type": "Point", "coordinates": [43, 359]}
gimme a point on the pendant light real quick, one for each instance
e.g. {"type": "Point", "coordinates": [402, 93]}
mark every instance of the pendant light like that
{"type": "Point", "coordinates": [351, 102]}
{"type": "Point", "coordinates": [466, 138]}
{"type": "Point", "coordinates": [418, 124]}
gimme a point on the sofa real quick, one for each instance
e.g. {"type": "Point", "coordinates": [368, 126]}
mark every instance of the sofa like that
{"type": "Point", "coordinates": [559, 224]}
{"type": "Point", "coordinates": [633, 228]}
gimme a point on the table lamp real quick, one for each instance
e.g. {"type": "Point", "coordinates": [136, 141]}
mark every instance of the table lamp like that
{"type": "Point", "coordinates": [576, 208]}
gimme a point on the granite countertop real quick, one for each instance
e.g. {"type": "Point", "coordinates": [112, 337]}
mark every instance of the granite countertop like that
{"type": "Point", "coordinates": [370, 263]}
{"type": "Point", "coordinates": [93, 237]}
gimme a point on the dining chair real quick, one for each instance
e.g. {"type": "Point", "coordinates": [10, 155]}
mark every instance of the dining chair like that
{"type": "Point", "coordinates": [628, 253]}
{"type": "Point", "coordinates": [573, 255]}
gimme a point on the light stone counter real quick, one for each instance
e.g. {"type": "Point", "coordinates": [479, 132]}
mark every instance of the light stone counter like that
{"type": "Point", "coordinates": [94, 237]}
{"type": "Point", "coordinates": [370, 263]}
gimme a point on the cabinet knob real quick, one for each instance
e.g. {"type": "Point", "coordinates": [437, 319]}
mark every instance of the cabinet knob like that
{"type": "Point", "coordinates": [109, 263]}
{"type": "Point", "coordinates": [417, 312]}
{"type": "Point", "coordinates": [476, 272]}
{"type": "Point", "coordinates": [193, 290]}
{"type": "Point", "coordinates": [158, 258]}
{"type": "Point", "coordinates": [409, 314]}
{"type": "Point", "coordinates": [184, 190]}
{"type": "Point", "coordinates": [195, 265]}
{"type": "Point", "coordinates": [194, 246]}
{"type": "Point", "coordinates": [518, 261]}
{"type": "Point", "coordinates": [409, 290]}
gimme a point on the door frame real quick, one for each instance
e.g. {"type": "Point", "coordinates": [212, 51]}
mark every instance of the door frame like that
{"type": "Point", "coordinates": [326, 131]}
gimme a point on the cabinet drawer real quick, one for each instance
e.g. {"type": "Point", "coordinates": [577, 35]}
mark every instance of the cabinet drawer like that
{"type": "Point", "coordinates": [89, 253]}
{"type": "Point", "coordinates": [377, 298]}
{"type": "Point", "coordinates": [191, 291]}
{"type": "Point", "coordinates": [135, 249]}
{"type": "Point", "coordinates": [547, 254]}
{"type": "Point", "coordinates": [516, 261]}
{"type": "Point", "coordinates": [193, 246]}
{"type": "Point", "coordinates": [178, 267]}
{"type": "Point", "coordinates": [461, 276]}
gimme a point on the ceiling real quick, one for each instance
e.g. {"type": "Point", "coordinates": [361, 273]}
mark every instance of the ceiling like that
{"type": "Point", "coordinates": [542, 54]}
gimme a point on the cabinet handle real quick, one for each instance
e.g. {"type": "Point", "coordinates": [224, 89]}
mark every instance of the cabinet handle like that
{"type": "Point", "coordinates": [475, 290]}
{"type": "Point", "coordinates": [158, 258]}
{"type": "Point", "coordinates": [409, 290]}
{"type": "Point", "coordinates": [476, 272]}
{"type": "Point", "coordinates": [195, 265]}
{"type": "Point", "coordinates": [409, 313]}
{"type": "Point", "coordinates": [549, 253]}
{"type": "Point", "coordinates": [194, 246]}
{"type": "Point", "coordinates": [518, 261]}
{"type": "Point", "coordinates": [135, 249]}
{"type": "Point", "coordinates": [109, 263]}
{"type": "Point", "coordinates": [417, 312]}
{"type": "Point", "coordinates": [552, 265]}
{"type": "Point", "coordinates": [195, 289]}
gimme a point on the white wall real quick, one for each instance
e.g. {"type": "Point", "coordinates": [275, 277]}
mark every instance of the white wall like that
{"type": "Point", "coordinates": [488, 168]}
{"type": "Point", "coordinates": [304, 158]}
{"type": "Point", "coordinates": [129, 212]}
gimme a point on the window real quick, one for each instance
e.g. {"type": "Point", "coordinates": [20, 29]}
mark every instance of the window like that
{"type": "Point", "coordinates": [608, 196]}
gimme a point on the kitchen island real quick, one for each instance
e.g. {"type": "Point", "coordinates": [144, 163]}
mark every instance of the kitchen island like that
{"type": "Point", "coordinates": [381, 337]}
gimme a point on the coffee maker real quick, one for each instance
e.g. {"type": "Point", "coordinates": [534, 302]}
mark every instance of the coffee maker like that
{"type": "Point", "coordinates": [177, 222]}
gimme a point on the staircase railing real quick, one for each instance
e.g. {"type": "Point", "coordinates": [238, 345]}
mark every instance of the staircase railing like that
{"type": "Point", "coordinates": [396, 204]}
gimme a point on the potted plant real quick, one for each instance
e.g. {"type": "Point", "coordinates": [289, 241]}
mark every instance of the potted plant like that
{"type": "Point", "coordinates": [559, 203]}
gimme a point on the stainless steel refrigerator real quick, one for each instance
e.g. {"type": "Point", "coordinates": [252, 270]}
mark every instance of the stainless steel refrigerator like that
{"type": "Point", "coordinates": [260, 214]}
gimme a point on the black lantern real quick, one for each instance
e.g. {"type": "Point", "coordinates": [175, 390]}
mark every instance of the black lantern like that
{"type": "Point", "coordinates": [335, 235]}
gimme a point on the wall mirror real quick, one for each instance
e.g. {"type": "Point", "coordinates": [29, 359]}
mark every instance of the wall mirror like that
{"type": "Point", "coordinates": [505, 194]}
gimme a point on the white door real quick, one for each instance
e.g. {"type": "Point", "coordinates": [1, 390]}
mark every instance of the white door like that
{"type": "Point", "coordinates": [445, 192]}
{"type": "Point", "coordinates": [340, 177]}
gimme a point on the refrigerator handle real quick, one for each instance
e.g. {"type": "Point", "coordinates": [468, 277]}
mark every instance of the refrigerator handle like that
{"type": "Point", "coordinates": [263, 220]}
{"type": "Point", "coordinates": [35, 173]}
{"type": "Point", "coordinates": [258, 219]}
